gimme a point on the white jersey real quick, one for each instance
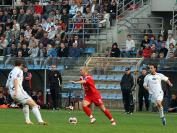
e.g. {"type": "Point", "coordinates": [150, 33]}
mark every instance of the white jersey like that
{"type": "Point", "coordinates": [16, 73]}
{"type": "Point", "coordinates": [153, 82]}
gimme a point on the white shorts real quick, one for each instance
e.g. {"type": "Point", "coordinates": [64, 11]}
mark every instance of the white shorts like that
{"type": "Point", "coordinates": [22, 97]}
{"type": "Point", "coordinates": [158, 96]}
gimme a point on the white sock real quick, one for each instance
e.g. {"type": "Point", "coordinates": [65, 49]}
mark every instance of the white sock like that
{"type": "Point", "coordinates": [161, 112]}
{"type": "Point", "coordinates": [37, 113]}
{"type": "Point", "coordinates": [91, 116]}
{"type": "Point", "coordinates": [26, 113]}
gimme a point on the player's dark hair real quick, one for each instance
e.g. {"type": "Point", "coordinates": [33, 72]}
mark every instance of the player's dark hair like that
{"type": "Point", "coordinates": [18, 63]}
{"type": "Point", "coordinates": [154, 65]}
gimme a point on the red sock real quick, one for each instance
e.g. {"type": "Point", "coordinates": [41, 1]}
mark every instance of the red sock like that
{"type": "Point", "coordinates": [108, 114]}
{"type": "Point", "coordinates": [87, 110]}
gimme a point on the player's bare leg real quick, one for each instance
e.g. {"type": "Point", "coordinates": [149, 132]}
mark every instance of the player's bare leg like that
{"type": "Point", "coordinates": [88, 111]}
{"type": "Point", "coordinates": [26, 114]}
{"type": "Point", "coordinates": [160, 108]}
{"type": "Point", "coordinates": [36, 112]}
{"type": "Point", "coordinates": [108, 114]}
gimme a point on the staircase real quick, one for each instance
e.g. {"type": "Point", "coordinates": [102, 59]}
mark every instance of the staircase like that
{"type": "Point", "coordinates": [173, 21]}
{"type": "Point", "coordinates": [135, 20]}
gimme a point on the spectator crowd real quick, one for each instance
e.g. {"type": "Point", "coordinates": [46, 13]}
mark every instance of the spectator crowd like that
{"type": "Point", "coordinates": [51, 29]}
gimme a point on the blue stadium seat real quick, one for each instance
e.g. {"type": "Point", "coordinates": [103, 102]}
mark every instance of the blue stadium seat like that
{"type": "Point", "coordinates": [102, 77]}
{"type": "Point", "coordinates": [102, 86]}
{"type": "Point", "coordinates": [65, 95]}
{"type": "Point", "coordinates": [1, 66]}
{"type": "Point", "coordinates": [117, 87]}
{"type": "Point", "coordinates": [89, 51]}
{"type": "Point", "coordinates": [60, 67]}
{"type": "Point", "coordinates": [104, 96]}
{"type": "Point", "coordinates": [118, 77]}
{"type": "Point", "coordinates": [76, 86]}
{"type": "Point", "coordinates": [111, 86]}
{"type": "Point", "coordinates": [37, 67]}
{"type": "Point", "coordinates": [110, 77]}
{"type": "Point", "coordinates": [96, 77]}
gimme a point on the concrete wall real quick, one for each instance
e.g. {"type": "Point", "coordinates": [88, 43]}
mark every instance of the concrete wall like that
{"type": "Point", "coordinates": [162, 5]}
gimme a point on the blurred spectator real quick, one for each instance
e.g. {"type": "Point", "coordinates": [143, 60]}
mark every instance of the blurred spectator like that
{"type": "Point", "coordinates": [170, 40]}
{"type": "Point", "coordinates": [152, 40]}
{"type": "Point", "coordinates": [173, 104]}
{"type": "Point", "coordinates": [21, 18]}
{"type": "Point", "coordinates": [130, 45]}
{"type": "Point", "coordinates": [3, 45]}
{"type": "Point", "coordinates": [27, 33]}
{"type": "Point", "coordinates": [73, 8]}
{"type": "Point", "coordinates": [27, 80]}
{"type": "Point", "coordinates": [44, 40]}
{"type": "Point", "coordinates": [52, 33]}
{"type": "Point", "coordinates": [79, 8]}
{"type": "Point", "coordinates": [175, 52]}
{"type": "Point", "coordinates": [29, 18]}
{"type": "Point", "coordinates": [65, 17]}
{"type": "Point", "coordinates": [40, 33]}
{"type": "Point", "coordinates": [25, 50]}
{"type": "Point", "coordinates": [2, 97]}
{"type": "Point", "coordinates": [74, 51]}
{"type": "Point", "coordinates": [147, 51]}
{"type": "Point", "coordinates": [40, 100]}
{"type": "Point", "coordinates": [144, 42]}
{"type": "Point", "coordinates": [115, 51]}
{"type": "Point", "coordinates": [159, 42]}
{"type": "Point", "coordinates": [163, 49]}
{"type": "Point", "coordinates": [33, 52]}
{"type": "Point", "coordinates": [63, 51]}
{"type": "Point", "coordinates": [14, 15]}
{"type": "Point", "coordinates": [34, 95]}
{"type": "Point", "coordinates": [148, 32]}
{"type": "Point", "coordinates": [51, 51]}
{"type": "Point", "coordinates": [171, 50]}
{"type": "Point", "coordinates": [78, 23]}
{"type": "Point", "coordinates": [105, 22]}
{"type": "Point", "coordinates": [112, 9]}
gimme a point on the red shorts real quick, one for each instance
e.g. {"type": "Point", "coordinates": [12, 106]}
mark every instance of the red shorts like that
{"type": "Point", "coordinates": [97, 100]}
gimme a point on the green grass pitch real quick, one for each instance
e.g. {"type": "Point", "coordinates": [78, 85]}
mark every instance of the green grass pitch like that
{"type": "Point", "coordinates": [12, 121]}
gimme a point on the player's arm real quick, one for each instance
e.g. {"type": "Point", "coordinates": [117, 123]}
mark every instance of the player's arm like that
{"type": "Point", "coordinates": [163, 77]}
{"type": "Point", "coordinates": [169, 83]}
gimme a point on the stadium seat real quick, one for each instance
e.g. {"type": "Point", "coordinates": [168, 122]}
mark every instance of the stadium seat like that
{"type": "Point", "coordinates": [118, 77]}
{"type": "Point", "coordinates": [111, 86]}
{"type": "Point", "coordinates": [89, 51]}
{"type": "Point", "coordinates": [104, 96]}
{"type": "Point", "coordinates": [110, 77]}
{"type": "Point", "coordinates": [102, 77]}
{"type": "Point", "coordinates": [96, 77]}
{"type": "Point", "coordinates": [102, 86]}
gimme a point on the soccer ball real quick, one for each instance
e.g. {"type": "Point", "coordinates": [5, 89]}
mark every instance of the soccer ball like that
{"type": "Point", "coordinates": [72, 120]}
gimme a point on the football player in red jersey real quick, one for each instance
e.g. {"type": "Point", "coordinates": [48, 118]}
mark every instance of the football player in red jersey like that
{"type": "Point", "coordinates": [92, 95]}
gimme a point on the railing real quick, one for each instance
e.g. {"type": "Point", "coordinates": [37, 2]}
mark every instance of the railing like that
{"type": "Point", "coordinates": [173, 21]}
{"type": "Point", "coordinates": [123, 8]}
{"type": "Point", "coordinates": [89, 31]}
{"type": "Point", "coordinates": [42, 63]}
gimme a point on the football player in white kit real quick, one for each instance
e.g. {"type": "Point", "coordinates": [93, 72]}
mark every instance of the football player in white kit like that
{"type": "Point", "coordinates": [152, 83]}
{"type": "Point", "coordinates": [14, 83]}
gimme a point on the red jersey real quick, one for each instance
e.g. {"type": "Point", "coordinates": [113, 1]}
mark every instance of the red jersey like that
{"type": "Point", "coordinates": [89, 86]}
